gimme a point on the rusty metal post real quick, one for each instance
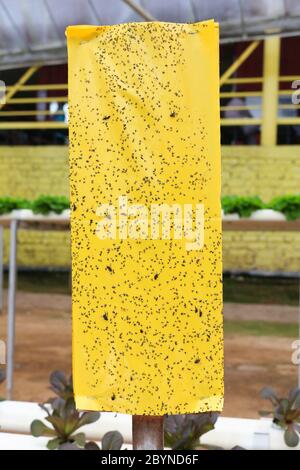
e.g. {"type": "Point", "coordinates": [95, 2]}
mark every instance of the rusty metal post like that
{"type": "Point", "coordinates": [147, 432]}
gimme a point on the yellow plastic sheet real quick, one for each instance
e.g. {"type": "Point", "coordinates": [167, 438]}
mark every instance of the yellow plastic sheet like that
{"type": "Point", "coordinates": [146, 232]}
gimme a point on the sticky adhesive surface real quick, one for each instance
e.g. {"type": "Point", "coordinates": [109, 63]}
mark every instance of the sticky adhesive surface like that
{"type": "Point", "coordinates": [144, 138]}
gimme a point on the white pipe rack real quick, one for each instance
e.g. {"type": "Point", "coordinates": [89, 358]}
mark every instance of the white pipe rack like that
{"type": "Point", "coordinates": [250, 434]}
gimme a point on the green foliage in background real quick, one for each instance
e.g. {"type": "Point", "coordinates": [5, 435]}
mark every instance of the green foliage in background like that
{"type": "Point", "coordinates": [65, 420]}
{"type": "Point", "coordinates": [286, 413]}
{"type": "Point", "coordinates": [289, 205]}
{"type": "Point", "coordinates": [8, 204]}
{"type": "Point", "coordinates": [242, 205]}
{"type": "Point", "coordinates": [41, 205]}
{"type": "Point", "coordinates": [183, 432]}
{"type": "Point", "coordinates": [62, 415]}
{"type": "Point", "coordinates": [45, 204]}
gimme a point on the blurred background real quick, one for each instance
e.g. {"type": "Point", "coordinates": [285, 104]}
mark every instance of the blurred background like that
{"type": "Point", "coordinates": [260, 132]}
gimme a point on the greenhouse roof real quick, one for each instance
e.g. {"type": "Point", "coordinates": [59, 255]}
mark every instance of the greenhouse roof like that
{"type": "Point", "coordinates": [33, 31]}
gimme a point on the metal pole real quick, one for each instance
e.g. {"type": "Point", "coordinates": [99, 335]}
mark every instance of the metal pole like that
{"type": "Point", "coordinates": [271, 74]}
{"type": "Point", "coordinates": [147, 432]}
{"type": "Point", "coordinates": [11, 307]}
{"type": "Point", "coordinates": [140, 10]}
{"type": "Point", "coordinates": [1, 268]}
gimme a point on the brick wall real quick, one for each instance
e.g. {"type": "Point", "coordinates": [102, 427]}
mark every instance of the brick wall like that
{"type": "Point", "coordinates": [31, 171]}
{"type": "Point", "coordinates": [265, 171]}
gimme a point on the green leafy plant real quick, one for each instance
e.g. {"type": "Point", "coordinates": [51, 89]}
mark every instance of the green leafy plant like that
{"type": "Point", "coordinates": [289, 205]}
{"type": "Point", "coordinates": [242, 205]}
{"type": "Point", "coordinates": [45, 204]}
{"type": "Point", "coordinates": [112, 440]}
{"type": "Point", "coordinates": [65, 420]}
{"type": "Point", "coordinates": [183, 432]}
{"type": "Point", "coordinates": [62, 415]}
{"type": "Point", "coordinates": [286, 413]}
{"type": "Point", "coordinates": [8, 204]}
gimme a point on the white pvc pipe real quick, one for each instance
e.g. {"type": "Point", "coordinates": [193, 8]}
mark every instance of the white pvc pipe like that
{"type": "Point", "coordinates": [10, 441]}
{"type": "Point", "coordinates": [251, 434]}
{"type": "Point", "coordinates": [22, 442]}
{"type": "Point", "coordinates": [16, 416]}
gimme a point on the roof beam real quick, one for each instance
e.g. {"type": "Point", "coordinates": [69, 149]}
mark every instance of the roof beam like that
{"type": "Point", "coordinates": [140, 10]}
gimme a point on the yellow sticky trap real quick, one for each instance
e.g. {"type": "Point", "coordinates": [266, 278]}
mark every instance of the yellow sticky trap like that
{"type": "Point", "coordinates": [146, 230]}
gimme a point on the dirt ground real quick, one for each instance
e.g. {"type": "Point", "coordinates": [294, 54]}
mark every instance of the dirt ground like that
{"type": "Point", "coordinates": [43, 344]}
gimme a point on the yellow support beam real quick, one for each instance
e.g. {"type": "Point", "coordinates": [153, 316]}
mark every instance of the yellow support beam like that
{"type": "Point", "coordinates": [59, 99]}
{"type": "Point", "coordinates": [286, 92]}
{"type": "Point", "coordinates": [288, 106]}
{"type": "Point", "coordinates": [240, 122]}
{"type": "Point", "coordinates": [236, 108]}
{"type": "Point", "coordinates": [30, 113]}
{"type": "Point", "coordinates": [52, 86]}
{"type": "Point", "coordinates": [241, 81]}
{"type": "Point", "coordinates": [33, 125]}
{"type": "Point", "coordinates": [289, 78]}
{"type": "Point", "coordinates": [252, 80]}
{"type": "Point", "coordinates": [16, 87]}
{"type": "Point", "coordinates": [288, 121]}
{"type": "Point", "coordinates": [271, 72]}
{"type": "Point", "coordinates": [239, 61]}
{"type": "Point", "coordinates": [239, 94]}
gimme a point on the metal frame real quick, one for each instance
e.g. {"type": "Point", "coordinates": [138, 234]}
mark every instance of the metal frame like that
{"type": "Point", "coordinates": [270, 92]}
{"type": "Point", "coordinates": [269, 95]}
{"type": "Point", "coordinates": [20, 86]}
{"type": "Point", "coordinates": [14, 225]}
{"type": "Point", "coordinates": [238, 62]}
{"type": "Point", "coordinates": [15, 88]}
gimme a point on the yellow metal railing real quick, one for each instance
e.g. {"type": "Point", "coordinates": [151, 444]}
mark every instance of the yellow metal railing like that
{"type": "Point", "coordinates": [269, 95]}
{"type": "Point", "coordinates": [21, 86]}
{"type": "Point", "coordinates": [266, 112]}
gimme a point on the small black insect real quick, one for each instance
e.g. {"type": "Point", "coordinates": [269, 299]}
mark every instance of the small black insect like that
{"type": "Point", "coordinates": [108, 268]}
{"type": "Point", "coordinates": [197, 361]}
{"type": "Point", "coordinates": [156, 276]}
{"type": "Point", "coordinates": [113, 397]}
{"type": "Point", "coordinates": [173, 114]}
{"type": "Point", "coordinates": [105, 316]}
{"type": "Point", "coordinates": [106, 118]}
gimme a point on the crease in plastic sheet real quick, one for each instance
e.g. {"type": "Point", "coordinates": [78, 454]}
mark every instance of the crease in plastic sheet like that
{"type": "Point", "coordinates": [144, 133]}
